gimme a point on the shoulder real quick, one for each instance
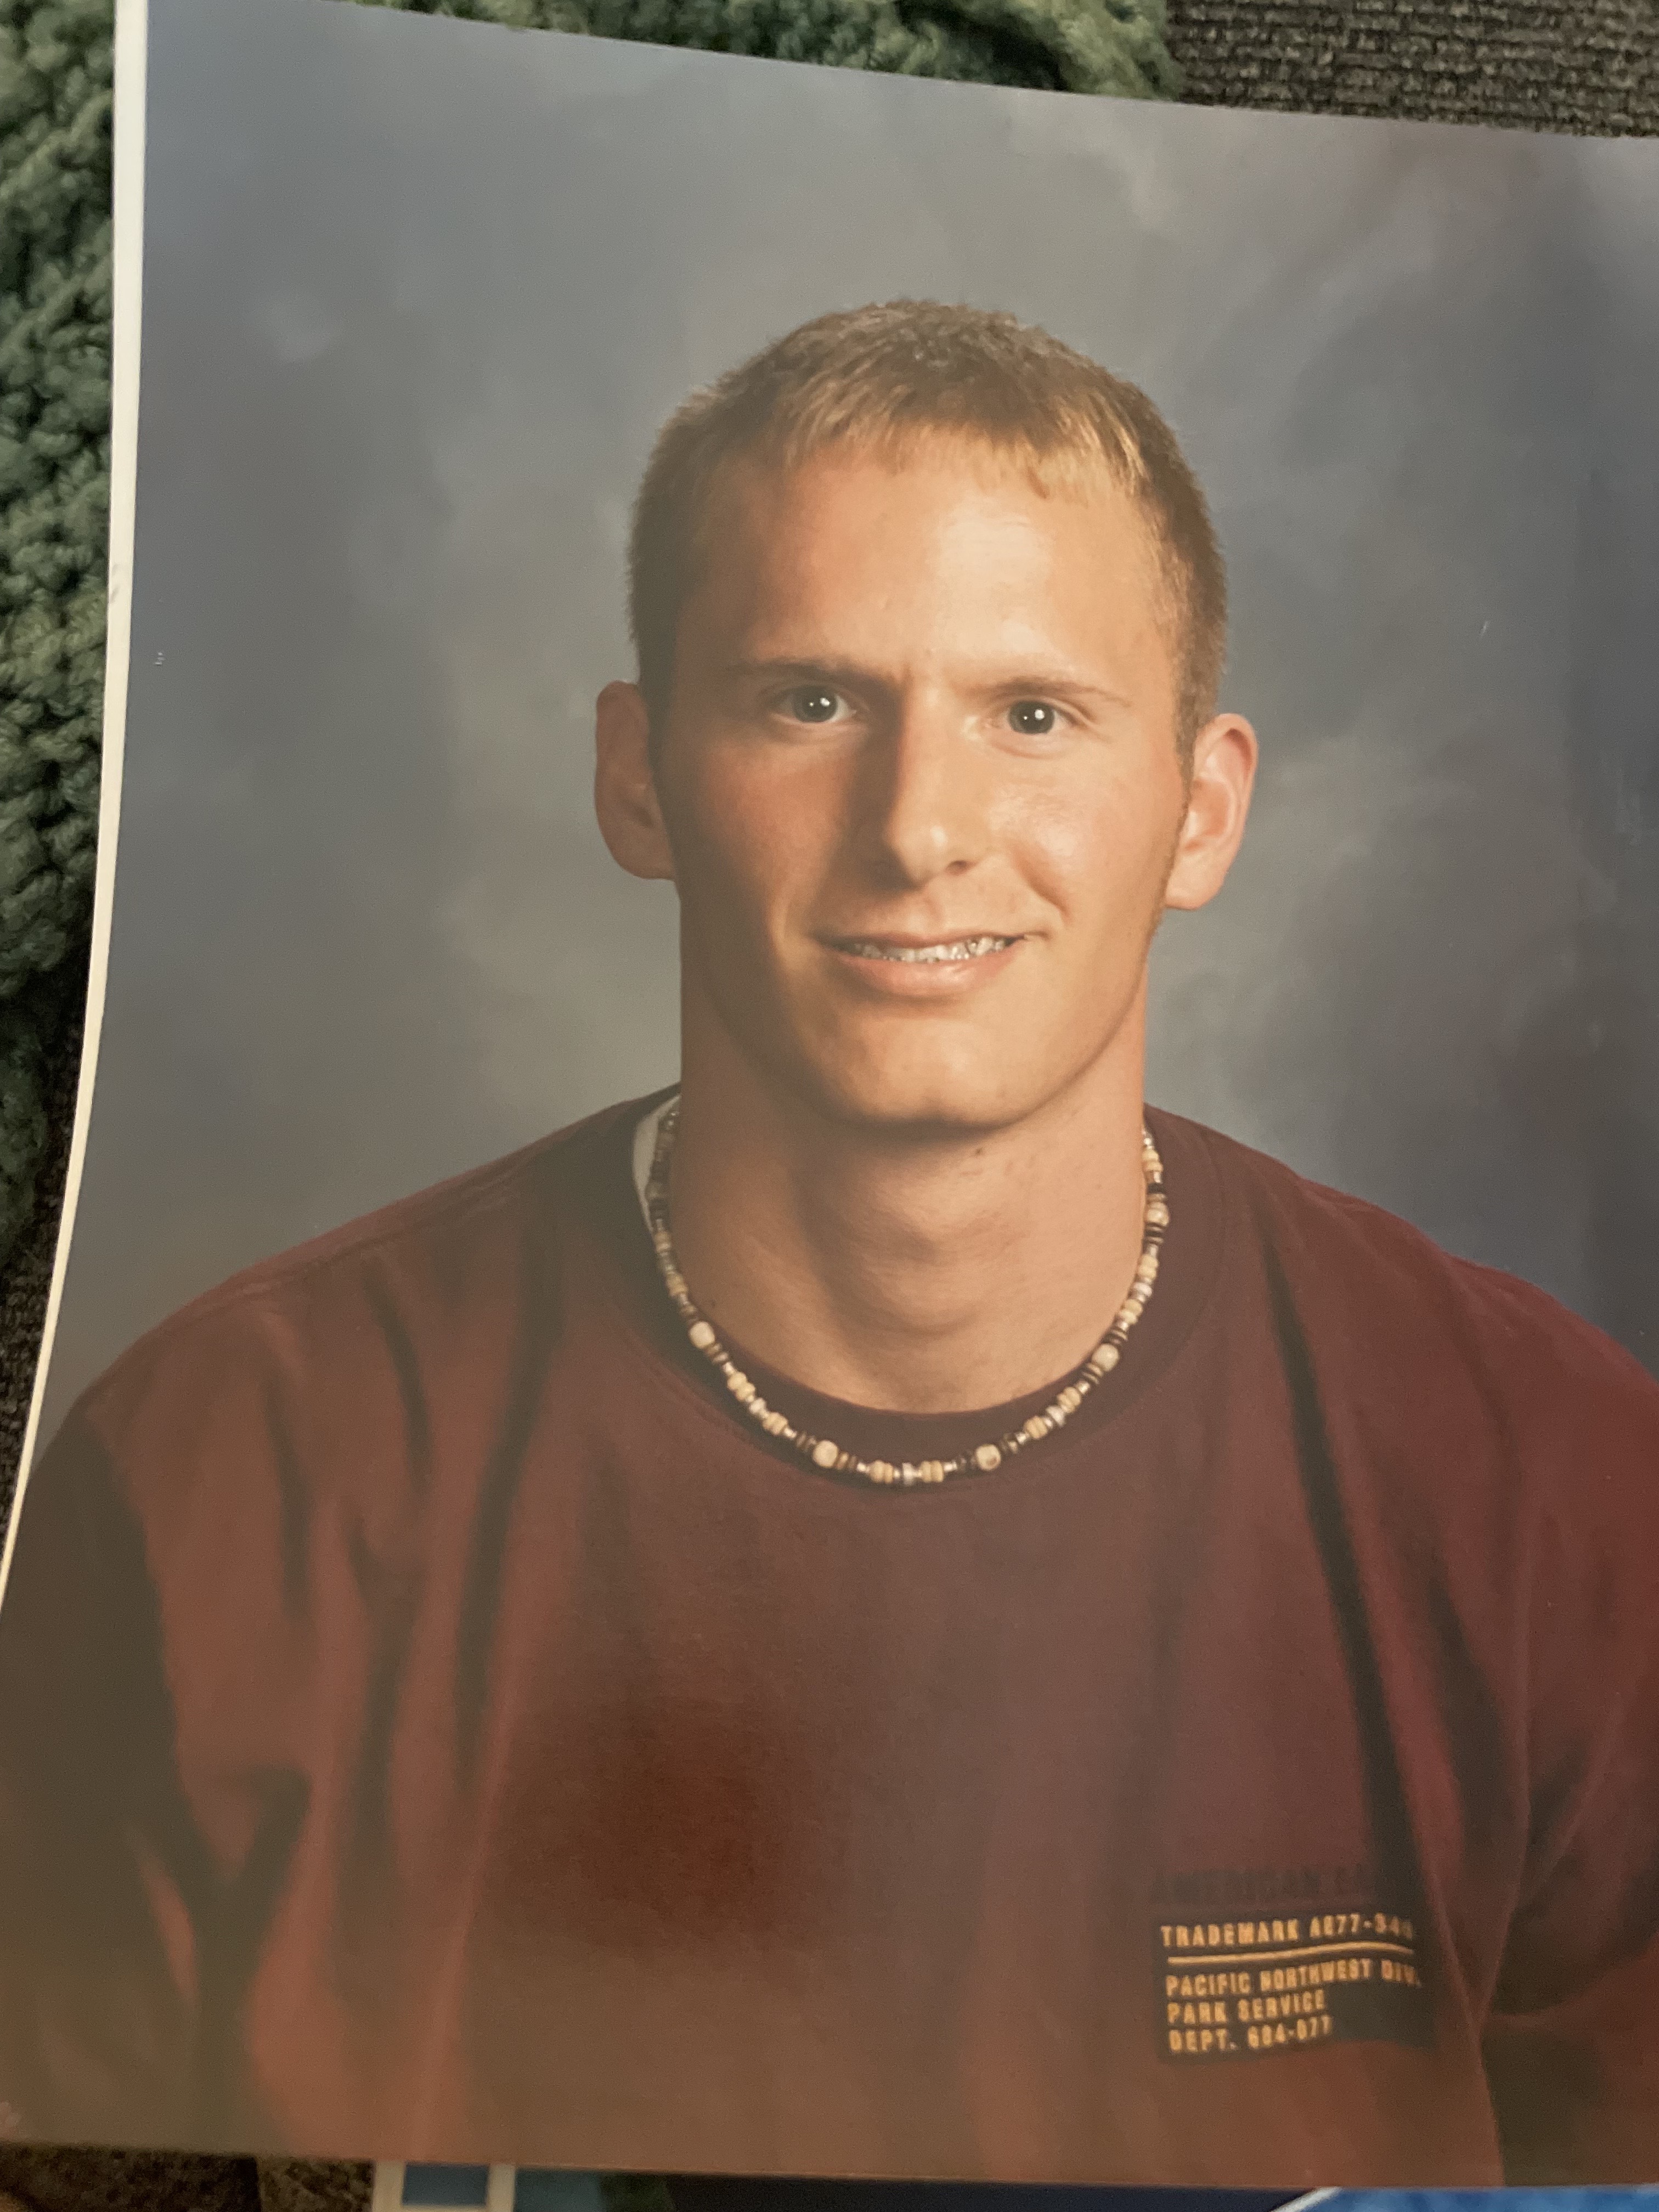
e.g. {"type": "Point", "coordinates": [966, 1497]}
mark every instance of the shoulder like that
{"type": "Point", "coordinates": [350, 1328]}
{"type": "Point", "coordinates": [1417, 1333]}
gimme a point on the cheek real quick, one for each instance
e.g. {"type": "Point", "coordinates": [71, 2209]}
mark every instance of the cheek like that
{"type": "Point", "coordinates": [1100, 856]}
{"type": "Point", "coordinates": [756, 827]}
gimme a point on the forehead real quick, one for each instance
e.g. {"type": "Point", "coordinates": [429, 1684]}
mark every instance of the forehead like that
{"type": "Point", "coordinates": [943, 509]}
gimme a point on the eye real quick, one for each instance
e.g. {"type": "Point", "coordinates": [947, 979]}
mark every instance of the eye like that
{"type": "Point", "coordinates": [813, 702]}
{"type": "Point", "coordinates": [1034, 718]}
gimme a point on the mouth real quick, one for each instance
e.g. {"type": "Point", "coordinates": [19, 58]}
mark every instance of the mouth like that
{"type": "Point", "coordinates": [944, 950]}
{"type": "Point", "coordinates": [925, 970]}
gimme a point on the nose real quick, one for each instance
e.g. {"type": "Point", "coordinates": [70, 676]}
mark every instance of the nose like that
{"type": "Point", "coordinates": [924, 805]}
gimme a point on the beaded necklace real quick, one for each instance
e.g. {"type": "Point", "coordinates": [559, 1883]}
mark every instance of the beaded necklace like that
{"type": "Point", "coordinates": [823, 1451]}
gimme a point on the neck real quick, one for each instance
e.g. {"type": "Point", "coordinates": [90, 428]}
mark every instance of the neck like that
{"type": "Point", "coordinates": [919, 1275]}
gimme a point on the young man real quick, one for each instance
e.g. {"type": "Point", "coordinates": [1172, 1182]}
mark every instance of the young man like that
{"type": "Point", "coordinates": [894, 1613]}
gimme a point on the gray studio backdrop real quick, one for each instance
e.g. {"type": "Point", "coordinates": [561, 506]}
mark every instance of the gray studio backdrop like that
{"type": "Point", "coordinates": [417, 295]}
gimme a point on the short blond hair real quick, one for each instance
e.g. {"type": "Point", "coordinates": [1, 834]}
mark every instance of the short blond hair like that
{"type": "Point", "coordinates": [883, 377]}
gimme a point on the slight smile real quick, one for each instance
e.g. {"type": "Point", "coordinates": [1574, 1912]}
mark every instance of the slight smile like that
{"type": "Point", "coordinates": [909, 966]}
{"type": "Point", "coordinates": [955, 948]}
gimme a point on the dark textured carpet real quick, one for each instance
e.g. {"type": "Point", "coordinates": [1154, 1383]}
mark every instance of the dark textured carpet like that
{"type": "Point", "coordinates": [153, 2181]}
{"type": "Point", "coordinates": [27, 1277]}
{"type": "Point", "coordinates": [1588, 65]}
{"type": "Point", "coordinates": [1592, 66]}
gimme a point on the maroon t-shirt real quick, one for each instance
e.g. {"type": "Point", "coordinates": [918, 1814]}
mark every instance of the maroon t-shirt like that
{"type": "Point", "coordinates": [435, 1725]}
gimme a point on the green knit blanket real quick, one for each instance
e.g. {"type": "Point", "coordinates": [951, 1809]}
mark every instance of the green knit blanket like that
{"type": "Point", "coordinates": [55, 106]}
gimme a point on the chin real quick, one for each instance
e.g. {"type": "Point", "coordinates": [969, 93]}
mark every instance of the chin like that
{"type": "Point", "coordinates": [933, 1100]}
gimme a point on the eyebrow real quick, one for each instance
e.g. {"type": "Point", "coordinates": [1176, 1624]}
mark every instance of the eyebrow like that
{"type": "Point", "coordinates": [834, 672]}
{"type": "Point", "coordinates": [1022, 683]}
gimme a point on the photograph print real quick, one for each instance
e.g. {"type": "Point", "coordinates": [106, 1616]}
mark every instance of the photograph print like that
{"type": "Point", "coordinates": [854, 1371]}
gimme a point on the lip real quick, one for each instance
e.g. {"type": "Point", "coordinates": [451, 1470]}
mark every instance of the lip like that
{"type": "Point", "coordinates": [888, 976]}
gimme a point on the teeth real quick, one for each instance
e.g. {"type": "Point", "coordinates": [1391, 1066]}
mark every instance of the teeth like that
{"type": "Point", "coordinates": [964, 948]}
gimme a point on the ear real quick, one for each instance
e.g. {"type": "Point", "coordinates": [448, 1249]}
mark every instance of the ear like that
{"type": "Point", "coordinates": [1218, 805]}
{"type": "Point", "coordinates": [625, 786]}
